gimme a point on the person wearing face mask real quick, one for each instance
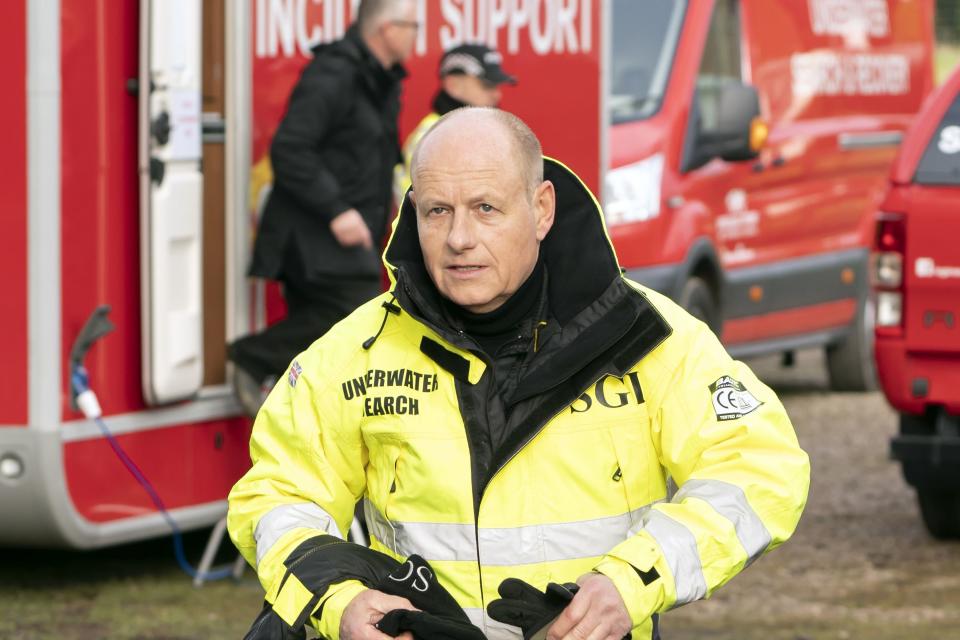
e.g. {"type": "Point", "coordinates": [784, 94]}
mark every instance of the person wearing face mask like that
{"type": "Point", "coordinates": [471, 75]}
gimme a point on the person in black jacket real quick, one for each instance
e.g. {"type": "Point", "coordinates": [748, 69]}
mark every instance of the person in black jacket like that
{"type": "Point", "coordinates": [333, 157]}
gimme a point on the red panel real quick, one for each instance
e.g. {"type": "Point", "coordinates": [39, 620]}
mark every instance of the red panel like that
{"type": "Point", "coordinates": [13, 212]}
{"type": "Point", "coordinates": [810, 319]}
{"type": "Point", "coordinates": [183, 463]}
{"type": "Point", "coordinates": [99, 190]}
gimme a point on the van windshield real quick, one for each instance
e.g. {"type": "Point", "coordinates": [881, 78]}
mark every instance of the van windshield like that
{"type": "Point", "coordinates": [645, 36]}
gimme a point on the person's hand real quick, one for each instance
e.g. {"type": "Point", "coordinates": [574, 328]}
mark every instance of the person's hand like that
{"type": "Point", "coordinates": [350, 230]}
{"type": "Point", "coordinates": [597, 612]}
{"type": "Point", "coordinates": [360, 617]}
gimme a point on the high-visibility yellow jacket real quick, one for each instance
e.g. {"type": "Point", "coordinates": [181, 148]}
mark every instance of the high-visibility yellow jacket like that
{"type": "Point", "coordinates": [633, 445]}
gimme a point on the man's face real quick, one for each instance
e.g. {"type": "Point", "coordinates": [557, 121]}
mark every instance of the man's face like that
{"type": "Point", "coordinates": [472, 90]}
{"type": "Point", "coordinates": [478, 224]}
{"type": "Point", "coordinates": [400, 33]}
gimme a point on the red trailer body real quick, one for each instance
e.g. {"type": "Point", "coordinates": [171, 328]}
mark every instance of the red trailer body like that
{"type": "Point", "coordinates": [136, 164]}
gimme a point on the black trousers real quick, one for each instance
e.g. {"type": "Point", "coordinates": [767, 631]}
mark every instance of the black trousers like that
{"type": "Point", "coordinates": [312, 308]}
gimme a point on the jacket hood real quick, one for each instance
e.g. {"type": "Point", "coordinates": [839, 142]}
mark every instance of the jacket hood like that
{"type": "Point", "coordinates": [578, 230]}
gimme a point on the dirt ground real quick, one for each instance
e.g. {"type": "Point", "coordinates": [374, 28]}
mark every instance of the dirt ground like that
{"type": "Point", "coordinates": [860, 566]}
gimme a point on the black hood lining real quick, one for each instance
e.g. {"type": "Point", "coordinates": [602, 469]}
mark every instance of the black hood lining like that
{"type": "Point", "coordinates": [577, 276]}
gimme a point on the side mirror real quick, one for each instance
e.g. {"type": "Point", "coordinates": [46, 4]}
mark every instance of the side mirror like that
{"type": "Point", "coordinates": [733, 130]}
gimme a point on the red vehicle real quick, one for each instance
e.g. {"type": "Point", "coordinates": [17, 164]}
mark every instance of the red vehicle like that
{"type": "Point", "coordinates": [749, 145]}
{"type": "Point", "coordinates": [916, 273]}
{"type": "Point", "coordinates": [736, 144]}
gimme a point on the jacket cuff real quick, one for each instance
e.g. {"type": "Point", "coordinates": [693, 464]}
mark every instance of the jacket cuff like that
{"type": "Point", "coordinates": [643, 596]}
{"type": "Point", "coordinates": [331, 210]}
{"type": "Point", "coordinates": [340, 595]}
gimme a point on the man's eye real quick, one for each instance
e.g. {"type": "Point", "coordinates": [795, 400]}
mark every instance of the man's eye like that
{"type": "Point", "coordinates": [437, 211]}
{"type": "Point", "coordinates": [486, 208]}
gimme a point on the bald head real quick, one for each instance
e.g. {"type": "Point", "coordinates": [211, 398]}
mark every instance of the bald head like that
{"type": "Point", "coordinates": [468, 125]}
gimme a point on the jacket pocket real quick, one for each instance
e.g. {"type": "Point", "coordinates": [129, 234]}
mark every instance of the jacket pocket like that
{"type": "Point", "coordinates": [637, 471]}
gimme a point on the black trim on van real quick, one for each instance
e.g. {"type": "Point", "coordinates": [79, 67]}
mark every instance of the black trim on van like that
{"type": "Point", "coordinates": [800, 282]}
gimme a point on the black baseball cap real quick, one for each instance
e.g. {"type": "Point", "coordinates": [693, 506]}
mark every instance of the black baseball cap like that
{"type": "Point", "coordinates": [475, 60]}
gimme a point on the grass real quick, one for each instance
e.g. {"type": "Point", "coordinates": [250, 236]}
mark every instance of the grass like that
{"type": "Point", "coordinates": [946, 59]}
{"type": "Point", "coordinates": [131, 592]}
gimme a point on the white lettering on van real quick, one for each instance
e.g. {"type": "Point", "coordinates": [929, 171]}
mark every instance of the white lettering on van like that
{"type": "Point", "coordinates": [824, 73]}
{"type": "Point", "coordinates": [549, 26]}
{"type": "Point", "coordinates": [928, 268]}
{"type": "Point", "coordinates": [949, 142]}
{"type": "Point", "coordinates": [288, 28]}
{"type": "Point", "coordinates": [850, 18]}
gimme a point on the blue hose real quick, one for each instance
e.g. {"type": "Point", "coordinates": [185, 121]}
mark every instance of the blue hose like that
{"type": "Point", "coordinates": [80, 384]}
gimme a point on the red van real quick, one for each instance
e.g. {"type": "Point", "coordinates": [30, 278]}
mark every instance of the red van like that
{"type": "Point", "coordinates": [916, 274]}
{"type": "Point", "coordinates": [761, 227]}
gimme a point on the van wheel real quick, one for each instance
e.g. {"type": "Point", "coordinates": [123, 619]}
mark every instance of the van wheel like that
{"type": "Point", "coordinates": [697, 298]}
{"type": "Point", "coordinates": [941, 512]}
{"type": "Point", "coordinates": [850, 361]}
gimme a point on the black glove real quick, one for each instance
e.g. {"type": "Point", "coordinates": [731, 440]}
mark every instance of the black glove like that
{"type": "Point", "coordinates": [534, 611]}
{"type": "Point", "coordinates": [440, 618]}
{"type": "Point", "coordinates": [524, 606]}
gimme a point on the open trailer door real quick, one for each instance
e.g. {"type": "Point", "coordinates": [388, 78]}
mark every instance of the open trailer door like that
{"type": "Point", "coordinates": [171, 199]}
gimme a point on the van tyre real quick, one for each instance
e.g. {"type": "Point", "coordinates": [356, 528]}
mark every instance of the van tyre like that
{"type": "Point", "coordinates": [699, 300]}
{"type": "Point", "coordinates": [850, 361]}
{"type": "Point", "coordinates": [941, 512]}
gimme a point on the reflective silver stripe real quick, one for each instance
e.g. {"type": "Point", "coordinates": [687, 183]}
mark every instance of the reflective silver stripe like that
{"type": "Point", "coordinates": [286, 518]}
{"type": "Point", "coordinates": [492, 629]}
{"type": "Point", "coordinates": [433, 541]}
{"type": "Point", "coordinates": [730, 501]}
{"type": "Point", "coordinates": [504, 546]}
{"type": "Point", "coordinates": [679, 548]}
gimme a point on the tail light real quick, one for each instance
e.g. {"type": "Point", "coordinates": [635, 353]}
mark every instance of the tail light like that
{"type": "Point", "coordinates": [887, 269]}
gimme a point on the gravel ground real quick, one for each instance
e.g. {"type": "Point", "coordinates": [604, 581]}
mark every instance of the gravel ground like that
{"type": "Point", "coordinates": [860, 566]}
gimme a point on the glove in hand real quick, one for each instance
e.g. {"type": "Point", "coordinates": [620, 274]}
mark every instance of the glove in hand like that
{"type": "Point", "coordinates": [439, 618]}
{"type": "Point", "coordinates": [522, 605]}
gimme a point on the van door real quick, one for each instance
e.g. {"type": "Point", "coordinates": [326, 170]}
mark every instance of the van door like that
{"type": "Point", "coordinates": [171, 199]}
{"type": "Point", "coordinates": [932, 268]}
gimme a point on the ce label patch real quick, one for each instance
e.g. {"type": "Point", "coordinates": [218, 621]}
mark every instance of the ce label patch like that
{"type": "Point", "coordinates": [731, 400]}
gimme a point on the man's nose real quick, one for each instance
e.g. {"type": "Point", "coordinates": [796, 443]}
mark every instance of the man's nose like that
{"type": "Point", "coordinates": [462, 233]}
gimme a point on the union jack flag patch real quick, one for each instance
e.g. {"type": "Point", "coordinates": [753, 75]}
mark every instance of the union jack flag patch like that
{"type": "Point", "coordinates": [295, 370]}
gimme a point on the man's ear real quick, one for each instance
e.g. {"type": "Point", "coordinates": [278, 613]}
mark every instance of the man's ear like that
{"type": "Point", "coordinates": [544, 206]}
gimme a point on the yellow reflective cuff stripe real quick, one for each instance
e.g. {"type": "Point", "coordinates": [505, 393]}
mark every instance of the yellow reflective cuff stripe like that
{"type": "Point", "coordinates": [679, 548]}
{"type": "Point", "coordinates": [502, 546]}
{"type": "Point", "coordinates": [291, 600]}
{"type": "Point", "coordinates": [333, 605]}
{"type": "Point", "coordinates": [283, 519]}
{"type": "Point", "coordinates": [730, 501]}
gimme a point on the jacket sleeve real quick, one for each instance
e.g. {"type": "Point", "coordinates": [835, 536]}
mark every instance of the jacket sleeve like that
{"type": "Point", "coordinates": [306, 477]}
{"type": "Point", "coordinates": [318, 102]}
{"type": "Point", "coordinates": [740, 475]}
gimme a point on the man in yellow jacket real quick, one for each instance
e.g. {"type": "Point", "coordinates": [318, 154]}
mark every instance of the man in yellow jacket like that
{"type": "Point", "coordinates": [514, 408]}
{"type": "Point", "coordinates": [471, 75]}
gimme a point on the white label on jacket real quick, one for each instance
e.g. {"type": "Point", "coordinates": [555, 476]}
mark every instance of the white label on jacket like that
{"type": "Point", "coordinates": [731, 400]}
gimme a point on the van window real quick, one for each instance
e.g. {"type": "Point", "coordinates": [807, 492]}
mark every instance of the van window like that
{"type": "Point", "coordinates": [940, 164]}
{"type": "Point", "coordinates": [721, 61]}
{"type": "Point", "coordinates": [645, 36]}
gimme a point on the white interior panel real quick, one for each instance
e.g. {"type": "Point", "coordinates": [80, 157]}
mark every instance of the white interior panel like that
{"type": "Point", "coordinates": [171, 199]}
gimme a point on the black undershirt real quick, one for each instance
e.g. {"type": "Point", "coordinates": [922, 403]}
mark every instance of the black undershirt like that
{"type": "Point", "coordinates": [498, 327]}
